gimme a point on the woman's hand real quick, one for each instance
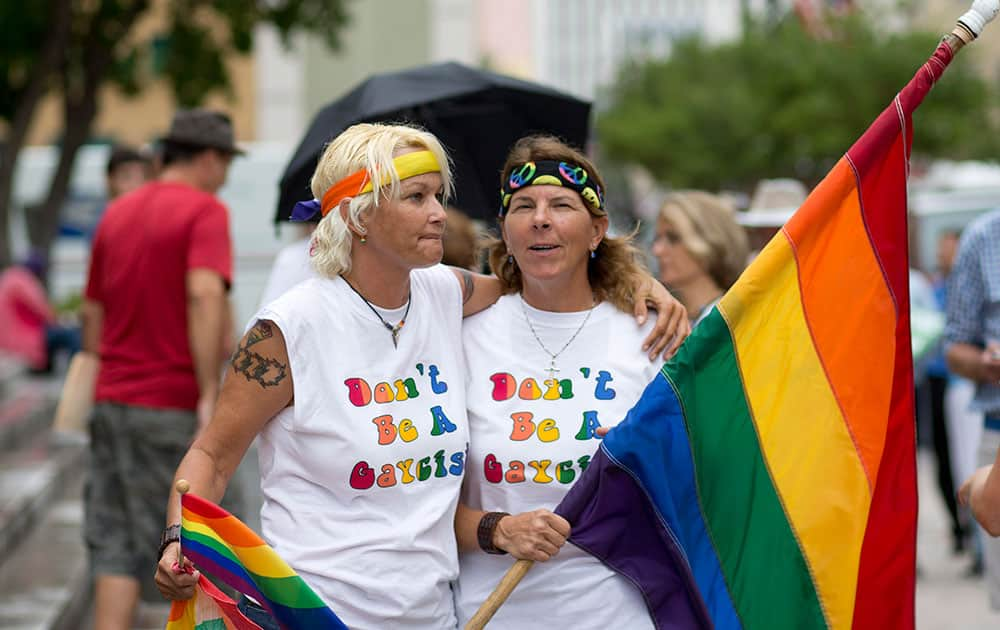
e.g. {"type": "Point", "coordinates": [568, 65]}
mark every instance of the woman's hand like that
{"type": "Point", "coordinates": [977, 479]}
{"type": "Point", "coordinates": [175, 581]}
{"type": "Point", "coordinates": [981, 492]}
{"type": "Point", "coordinates": [672, 325]}
{"type": "Point", "coordinates": [535, 535]}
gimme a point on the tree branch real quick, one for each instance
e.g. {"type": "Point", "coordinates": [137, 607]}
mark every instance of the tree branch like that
{"type": "Point", "coordinates": [51, 57]}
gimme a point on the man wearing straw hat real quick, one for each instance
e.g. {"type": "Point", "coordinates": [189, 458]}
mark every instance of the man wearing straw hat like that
{"type": "Point", "coordinates": [155, 312]}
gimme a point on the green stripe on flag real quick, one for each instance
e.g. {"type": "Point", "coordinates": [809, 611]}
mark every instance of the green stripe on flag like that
{"type": "Point", "coordinates": [761, 559]}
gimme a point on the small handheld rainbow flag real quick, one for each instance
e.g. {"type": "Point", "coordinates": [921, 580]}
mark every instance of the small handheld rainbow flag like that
{"type": "Point", "coordinates": [209, 609]}
{"type": "Point", "coordinates": [220, 544]}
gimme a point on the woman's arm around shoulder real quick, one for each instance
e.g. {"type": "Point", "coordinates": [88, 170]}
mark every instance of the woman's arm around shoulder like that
{"type": "Point", "coordinates": [479, 291]}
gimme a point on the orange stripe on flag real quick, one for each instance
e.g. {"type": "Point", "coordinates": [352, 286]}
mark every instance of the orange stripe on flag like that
{"type": "Point", "coordinates": [848, 307]}
{"type": "Point", "coordinates": [229, 529]}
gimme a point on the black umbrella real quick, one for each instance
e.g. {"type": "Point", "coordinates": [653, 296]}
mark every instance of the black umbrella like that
{"type": "Point", "coordinates": [477, 115]}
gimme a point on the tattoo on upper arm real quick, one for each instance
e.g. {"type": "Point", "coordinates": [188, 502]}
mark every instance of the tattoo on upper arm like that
{"type": "Point", "coordinates": [468, 285]}
{"type": "Point", "coordinates": [252, 365]}
{"type": "Point", "coordinates": [261, 330]}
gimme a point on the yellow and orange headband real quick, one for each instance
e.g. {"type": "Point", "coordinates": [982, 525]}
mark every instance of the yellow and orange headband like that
{"type": "Point", "coordinates": [358, 183]}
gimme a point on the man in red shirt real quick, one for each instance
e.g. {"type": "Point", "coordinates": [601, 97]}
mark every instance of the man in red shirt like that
{"type": "Point", "coordinates": [155, 310]}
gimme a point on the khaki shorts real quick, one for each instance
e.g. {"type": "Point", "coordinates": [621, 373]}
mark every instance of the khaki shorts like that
{"type": "Point", "coordinates": [134, 455]}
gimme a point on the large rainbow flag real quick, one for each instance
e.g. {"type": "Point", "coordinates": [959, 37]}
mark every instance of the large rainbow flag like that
{"type": "Point", "coordinates": [221, 545]}
{"type": "Point", "coordinates": [766, 478]}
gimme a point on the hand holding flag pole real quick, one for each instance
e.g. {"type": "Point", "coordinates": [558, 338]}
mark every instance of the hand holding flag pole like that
{"type": "Point", "coordinates": [183, 487]}
{"type": "Point", "coordinates": [968, 28]}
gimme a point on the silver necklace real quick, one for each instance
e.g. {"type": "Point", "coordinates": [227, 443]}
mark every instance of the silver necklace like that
{"type": "Point", "coordinates": [552, 369]}
{"type": "Point", "coordinates": [393, 330]}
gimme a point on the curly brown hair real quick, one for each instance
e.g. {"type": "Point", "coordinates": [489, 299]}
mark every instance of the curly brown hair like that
{"type": "Point", "coordinates": [615, 270]}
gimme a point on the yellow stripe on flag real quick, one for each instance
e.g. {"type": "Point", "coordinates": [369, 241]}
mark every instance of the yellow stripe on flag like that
{"type": "Point", "coordinates": [261, 560]}
{"type": "Point", "coordinates": [804, 440]}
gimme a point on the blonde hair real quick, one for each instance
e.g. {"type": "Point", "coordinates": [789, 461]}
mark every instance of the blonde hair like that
{"type": "Point", "coordinates": [708, 229]}
{"type": "Point", "coordinates": [614, 272]}
{"type": "Point", "coordinates": [371, 147]}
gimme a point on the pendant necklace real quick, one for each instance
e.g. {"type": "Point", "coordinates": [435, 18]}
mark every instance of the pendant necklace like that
{"type": "Point", "coordinates": [552, 369]}
{"type": "Point", "coordinates": [393, 330]}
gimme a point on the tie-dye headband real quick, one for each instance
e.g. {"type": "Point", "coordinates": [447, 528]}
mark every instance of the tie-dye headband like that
{"type": "Point", "coordinates": [552, 173]}
{"type": "Point", "coordinates": [358, 183]}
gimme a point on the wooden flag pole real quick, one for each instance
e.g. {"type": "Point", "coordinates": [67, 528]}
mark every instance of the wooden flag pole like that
{"type": "Point", "coordinates": [971, 24]}
{"type": "Point", "coordinates": [183, 487]}
{"type": "Point", "coordinates": [499, 595]}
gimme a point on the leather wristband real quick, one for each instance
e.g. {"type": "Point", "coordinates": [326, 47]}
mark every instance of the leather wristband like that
{"type": "Point", "coordinates": [171, 534]}
{"type": "Point", "coordinates": [487, 527]}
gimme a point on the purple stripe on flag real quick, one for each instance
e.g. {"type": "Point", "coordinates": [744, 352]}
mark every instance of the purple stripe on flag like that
{"type": "Point", "coordinates": [607, 502]}
{"type": "Point", "coordinates": [651, 447]}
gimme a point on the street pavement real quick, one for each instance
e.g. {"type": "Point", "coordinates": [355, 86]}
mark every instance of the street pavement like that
{"type": "Point", "coordinates": [946, 598]}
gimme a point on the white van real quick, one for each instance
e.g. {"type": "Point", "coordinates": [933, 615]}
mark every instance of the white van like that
{"type": "Point", "coordinates": [947, 198]}
{"type": "Point", "coordinates": [251, 193]}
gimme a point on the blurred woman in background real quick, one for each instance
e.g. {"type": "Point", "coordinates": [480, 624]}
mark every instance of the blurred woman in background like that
{"type": "Point", "coordinates": [700, 248]}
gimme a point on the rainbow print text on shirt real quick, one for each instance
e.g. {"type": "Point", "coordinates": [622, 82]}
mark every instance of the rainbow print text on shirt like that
{"type": "Point", "coordinates": [389, 430]}
{"type": "Point", "coordinates": [527, 426]}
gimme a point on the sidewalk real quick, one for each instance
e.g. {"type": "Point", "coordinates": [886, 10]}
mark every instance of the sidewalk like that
{"type": "Point", "coordinates": [946, 598]}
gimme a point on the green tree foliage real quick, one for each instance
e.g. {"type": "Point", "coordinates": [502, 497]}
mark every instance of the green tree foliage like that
{"type": "Point", "coordinates": [19, 51]}
{"type": "Point", "coordinates": [781, 103]}
{"type": "Point", "coordinates": [196, 47]}
{"type": "Point", "coordinates": [76, 47]}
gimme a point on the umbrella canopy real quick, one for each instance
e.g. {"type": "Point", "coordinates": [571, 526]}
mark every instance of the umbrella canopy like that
{"type": "Point", "coordinates": [477, 115]}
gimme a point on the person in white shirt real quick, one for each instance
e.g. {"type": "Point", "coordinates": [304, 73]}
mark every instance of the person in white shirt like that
{"type": "Point", "coordinates": [554, 361]}
{"type": "Point", "coordinates": [362, 421]}
{"type": "Point", "coordinates": [291, 266]}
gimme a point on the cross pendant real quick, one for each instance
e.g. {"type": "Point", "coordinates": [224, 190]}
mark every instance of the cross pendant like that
{"type": "Point", "coordinates": [552, 369]}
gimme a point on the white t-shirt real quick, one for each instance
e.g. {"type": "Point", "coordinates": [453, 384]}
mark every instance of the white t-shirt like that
{"type": "Point", "coordinates": [360, 478]}
{"type": "Point", "coordinates": [531, 437]}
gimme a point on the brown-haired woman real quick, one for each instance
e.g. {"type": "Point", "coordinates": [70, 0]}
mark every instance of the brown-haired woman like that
{"type": "Point", "coordinates": [553, 360]}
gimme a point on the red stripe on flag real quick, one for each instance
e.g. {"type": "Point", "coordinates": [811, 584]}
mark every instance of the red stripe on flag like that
{"type": "Point", "coordinates": [887, 573]}
{"type": "Point", "coordinates": [227, 606]}
{"type": "Point", "coordinates": [202, 506]}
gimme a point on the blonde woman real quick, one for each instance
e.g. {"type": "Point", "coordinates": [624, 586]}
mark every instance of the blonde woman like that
{"type": "Point", "coordinates": [551, 364]}
{"type": "Point", "coordinates": [354, 381]}
{"type": "Point", "coordinates": [700, 248]}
